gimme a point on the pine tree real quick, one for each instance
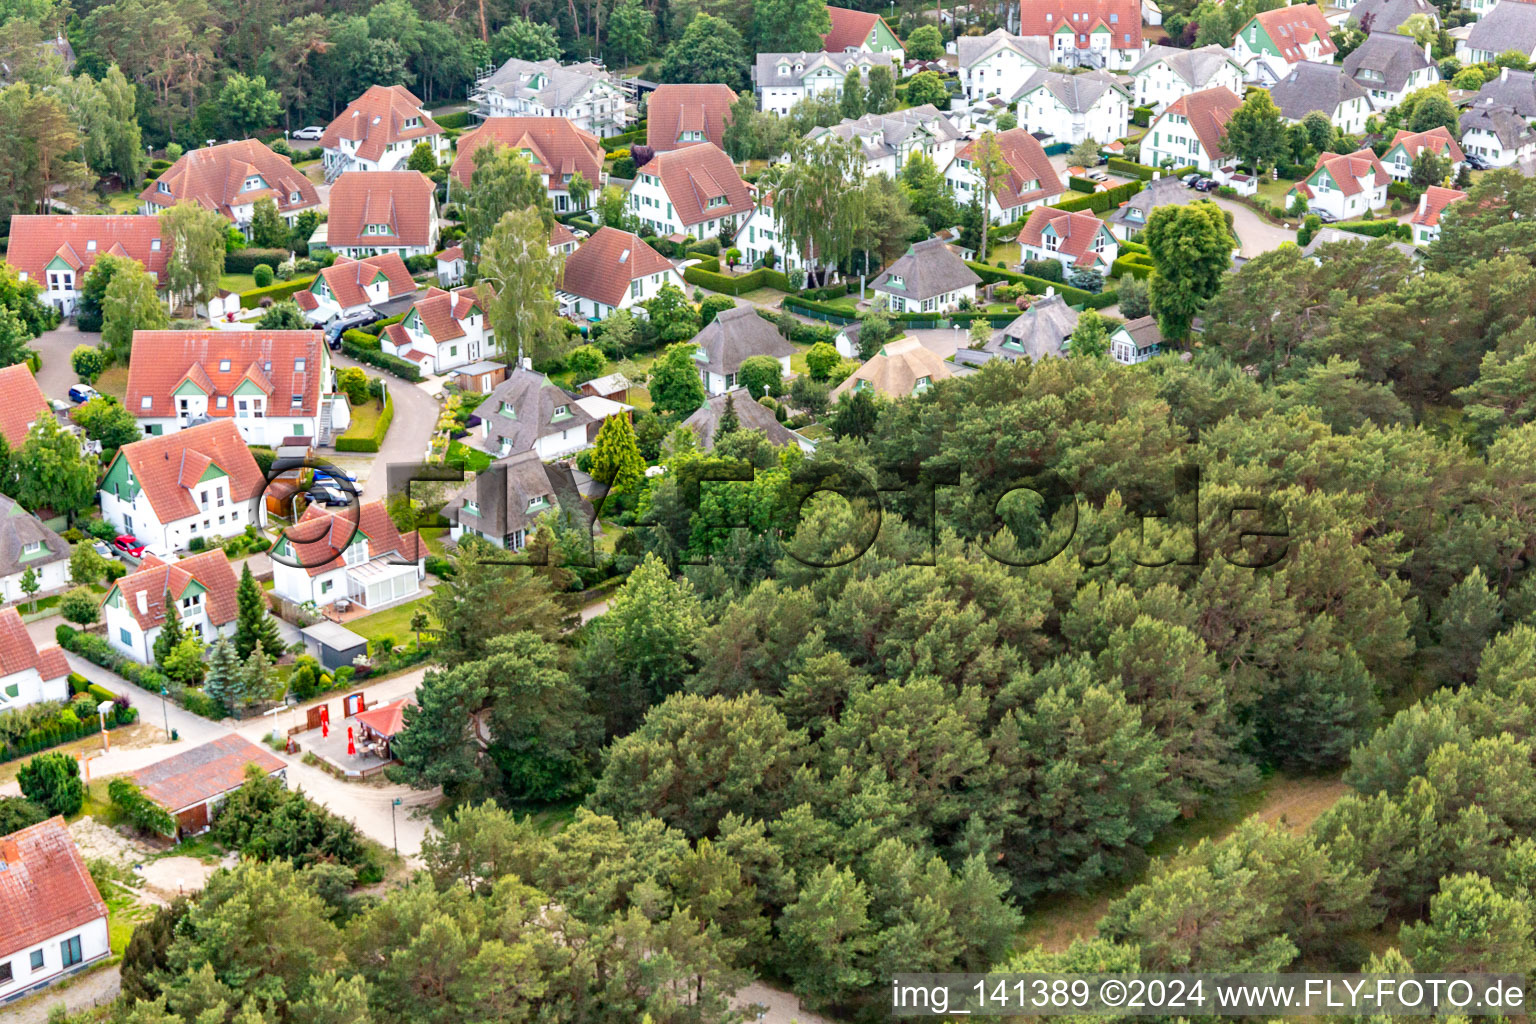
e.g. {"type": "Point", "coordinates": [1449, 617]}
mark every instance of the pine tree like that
{"type": "Point", "coordinates": [223, 683]}
{"type": "Point", "coordinates": [255, 677]}
{"type": "Point", "coordinates": [616, 458]}
{"type": "Point", "coordinates": [170, 633]}
{"type": "Point", "coordinates": [253, 624]}
{"type": "Point", "coordinates": [729, 421]}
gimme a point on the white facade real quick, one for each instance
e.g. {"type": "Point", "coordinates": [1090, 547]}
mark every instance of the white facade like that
{"type": "Point", "coordinates": [30, 688]}
{"type": "Point", "coordinates": [1002, 72]}
{"type": "Point", "coordinates": [373, 583]}
{"type": "Point", "coordinates": [1487, 145]}
{"type": "Point", "coordinates": [50, 576]}
{"type": "Point", "coordinates": [46, 962]}
{"type": "Point", "coordinates": [719, 384]}
{"type": "Point", "coordinates": [344, 156]}
{"type": "Point", "coordinates": [962, 179]}
{"type": "Point", "coordinates": [1171, 137]}
{"type": "Point", "coordinates": [478, 341]}
{"type": "Point", "coordinates": [1158, 85]}
{"type": "Point", "coordinates": [649, 201]}
{"type": "Point", "coordinates": [1041, 110]}
{"type": "Point", "coordinates": [1267, 67]}
{"type": "Point", "coordinates": [640, 290]}
{"type": "Point", "coordinates": [760, 235]}
{"type": "Point", "coordinates": [125, 636]}
{"type": "Point", "coordinates": [1105, 48]}
{"type": "Point", "coordinates": [947, 302]}
{"type": "Point", "coordinates": [220, 513]}
{"type": "Point", "coordinates": [583, 93]}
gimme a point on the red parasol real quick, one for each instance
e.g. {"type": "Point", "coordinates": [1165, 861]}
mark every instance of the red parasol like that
{"type": "Point", "coordinates": [351, 747]}
{"type": "Point", "coordinates": [325, 728]}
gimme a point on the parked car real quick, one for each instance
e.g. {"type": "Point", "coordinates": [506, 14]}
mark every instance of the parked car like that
{"type": "Point", "coordinates": [82, 393]}
{"type": "Point", "coordinates": [101, 547]}
{"type": "Point", "coordinates": [1323, 215]}
{"type": "Point", "coordinates": [1206, 185]}
{"type": "Point", "coordinates": [1477, 163]}
{"type": "Point", "coordinates": [129, 545]}
{"type": "Point", "coordinates": [336, 328]}
{"type": "Point", "coordinates": [311, 133]}
{"type": "Point", "coordinates": [1190, 179]}
{"type": "Point", "coordinates": [1097, 175]}
{"type": "Point", "coordinates": [323, 494]}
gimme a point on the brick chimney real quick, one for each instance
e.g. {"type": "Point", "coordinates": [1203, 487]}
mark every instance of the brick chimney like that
{"type": "Point", "coordinates": [10, 852]}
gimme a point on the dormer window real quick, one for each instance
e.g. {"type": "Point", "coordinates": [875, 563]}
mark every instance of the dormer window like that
{"type": "Point", "coordinates": [473, 508]}
{"type": "Point", "coordinates": [146, 402]}
{"type": "Point", "coordinates": [223, 365]}
{"type": "Point", "coordinates": [165, 188]}
{"type": "Point", "coordinates": [90, 246]}
{"type": "Point", "coordinates": [293, 196]}
{"type": "Point", "coordinates": [154, 245]}
{"type": "Point", "coordinates": [535, 504]}
{"type": "Point", "coordinates": [298, 365]}
{"type": "Point", "coordinates": [253, 182]}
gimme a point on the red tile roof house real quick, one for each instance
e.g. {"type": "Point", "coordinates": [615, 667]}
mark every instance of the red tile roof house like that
{"type": "Point", "coordinates": [1031, 180]}
{"type": "Point", "coordinates": [613, 270]}
{"type": "Point", "coordinates": [1432, 204]}
{"type": "Point", "coordinates": [1345, 186]}
{"type": "Point", "coordinates": [273, 385]}
{"type": "Point", "coordinates": [193, 783]}
{"type": "Point", "coordinates": [553, 146]}
{"type": "Point", "coordinates": [692, 191]}
{"type": "Point", "coordinates": [1275, 41]}
{"type": "Point", "coordinates": [378, 212]}
{"type": "Point", "coordinates": [1087, 33]}
{"type": "Point", "coordinates": [1406, 146]}
{"type": "Point", "coordinates": [442, 332]}
{"type": "Point", "coordinates": [861, 31]}
{"type": "Point", "coordinates": [203, 587]}
{"type": "Point", "coordinates": [451, 265]}
{"type": "Point", "coordinates": [28, 674]}
{"type": "Point", "coordinates": [1078, 241]}
{"type": "Point", "coordinates": [378, 132]}
{"type": "Point", "coordinates": [21, 403]}
{"type": "Point", "coordinates": [1189, 132]}
{"type": "Point", "coordinates": [57, 251]}
{"type": "Point", "coordinates": [198, 482]}
{"type": "Point", "coordinates": [681, 115]}
{"type": "Point", "coordinates": [349, 287]}
{"type": "Point", "coordinates": [361, 559]}
{"type": "Point", "coordinates": [53, 921]}
{"type": "Point", "coordinates": [229, 179]}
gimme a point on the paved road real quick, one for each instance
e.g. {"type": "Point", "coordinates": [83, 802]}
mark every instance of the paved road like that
{"type": "Point", "coordinates": [57, 376]}
{"type": "Point", "coordinates": [98, 988]}
{"type": "Point", "coordinates": [1257, 234]}
{"type": "Point", "coordinates": [409, 433]}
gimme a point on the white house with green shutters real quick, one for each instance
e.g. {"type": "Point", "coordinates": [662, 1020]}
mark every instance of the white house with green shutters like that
{"type": "Point", "coordinates": [1274, 42]}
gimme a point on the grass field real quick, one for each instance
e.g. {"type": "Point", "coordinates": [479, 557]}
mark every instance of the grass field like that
{"type": "Point", "coordinates": [237, 282]}
{"type": "Point", "coordinates": [395, 622]}
{"type": "Point", "coordinates": [365, 418]}
{"type": "Point", "coordinates": [123, 202]}
{"type": "Point", "coordinates": [433, 537]}
{"type": "Point", "coordinates": [113, 381]}
{"type": "Point", "coordinates": [473, 459]}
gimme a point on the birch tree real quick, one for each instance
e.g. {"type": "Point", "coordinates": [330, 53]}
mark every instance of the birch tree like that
{"type": "Point", "coordinates": [517, 277]}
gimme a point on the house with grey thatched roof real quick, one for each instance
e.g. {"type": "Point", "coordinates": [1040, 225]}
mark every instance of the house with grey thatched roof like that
{"type": "Point", "coordinates": [930, 278]}
{"type": "Point", "coordinates": [730, 339]}
{"type": "Point", "coordinates": [502, 503]}
{"type": "Point", "coordinates": [750, 414]}
{"type": "Point", "coordinates": [1042, 331]}
{"type": "Point", "coordinates": [1325, 88]}
{"type": "Point", "coordinates": [526, 412]}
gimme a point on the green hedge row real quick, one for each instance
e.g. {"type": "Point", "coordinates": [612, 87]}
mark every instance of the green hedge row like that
{"type": "Point", "coordinates": [1102, 202]}
{"type": "Point", "coordinates": [705, 274]}
{"type": "Point", "coordinates": [458, 119]}
{"type": "Point", "coordinates": [1077, 184]}
{"type": "Point", "coordinates": [403, 368]}
{"type": "Point", "coordinates": [1136, 264]}
{"type": "Point", "coordinates": [54, 732]}
{"type": "Point", "coordinates": [370, 444]}
{"type": "Point", "coordinates": [275, 292]}
{"type": "Point", "coordinates": [1141, 116]}
{"type": "Point", "coordinates": [1130, 168]}
{"type": "Point", "coordinates": [624, 141]}
{"type": "Point", "coordinates": [377, 327]}
{"type": "Point", "coordinates": [97, 650]}
{"type": "Point", "coordinates": [1377, 228]}
{"type": "Point", "coordinates": [244, 261]}
{"type": "Point", "coordinates": [1073, 296]}
{"type": "Point", "coordinates": [1131, 245]}
{"type": "Point", "coordinates": [140, 809]}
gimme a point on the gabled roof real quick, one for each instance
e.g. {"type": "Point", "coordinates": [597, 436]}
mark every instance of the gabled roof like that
{"type": "Point", "coordinates": [1512, 130]}
{"type": "Point", "coordinates": [19, 653]}
{"type": "Point", "coordinates": [676, 108]}
{"type": "Point", "coordinates": [777, 70]}
{"type": "Point", "coordinates": [736, 335]}
{"type": "Point", "coordinates": [881, 133]}
{"type": "Point", "coordinates": [401, 199]}
{"type": "Point", "coordinates": [895, 370]}
{"type": "Point", "coordinates": [1510, 26]}
{"type": "Point", "coordinates": [386, 719]}
{"type": "Point", "coordinates": [1513, 89]}
{"type": "Point", "coordinates": [347, 278]}
{"type": "Point", "coordinates": [321, 536]}
{"type": "Point", "coordinates": [202, 773]}
{"type": "Point", "coordinates": [927, 269]}
{"type": "Point", "coordinates": [1142, 332]}
{"type": "Point", "coordinates": [1046, 17]}
{"type": "Point", "coordinates": [218, 362]}
{"type": "Point", "coordinates": [1347, 171]}
{"type": "Point", "coordinates": [694, 176]}
{"type": "Point", "coordinates": [378, 118]}
{"type": "Point", "coordinates": [1433, 203]}
{"type": "Point", "coordinates": [153, 578]}
{"type": "Point", "coordinates": [37, 238]}
{"type": "Point", "coordinates": [602, 268]}
{"type": "Point", "coordinates": [18, 529]}
{"type": "Point", "coordinates": [1291, 28]}
{"type": "Point", "coordinates": [1038, 332]}
{"type": "Point", "coordinates": [972, 50]}
{"type": "Point", "coordinates": [1385, 60]}
{"type": "Point", "coordinates": [1208, 112]}
{"type": "Point", "coordinates": [442, 313]}
{"type": "Point", "coordinates": [850, 29]}
{"type": "Point", "coordinates": [1076, 232]}
{"type": "Point", "coordinates": [1027, 165]}
{"type": "Point", "coordinates": [1314, 86]}
{"type": "Point", "coordinates": [1077, 93]}
{"type": "Point", "coordinates": [1196, 67]}
{"type": "Point", "coordinates": [45, 887]}
{"type": "Point", "coordinates": [548, 83]}
{"type": "Point", "coordinates": [521, 410]}
{"type": "Point", "coordinates": [558, 146]}
{"type": "Point", "coordinates": [499, 497]}
{"type": "Point", "coordinates": [1164, 191]}
{"type": "Point", "coordinates": [1386, 15]}
{"type": "Point", "coordinates": [215, 179]}
{"type": "Point", "coordinates": [21, 403]}
{"type": "Point", "coordinates": [1438, 140]}
{"type": "Point", "coordinates": [751, 414]}
{"type": "Point", "coordinates": [158, 463]}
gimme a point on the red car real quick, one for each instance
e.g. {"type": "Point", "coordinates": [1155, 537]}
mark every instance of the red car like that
{"type": "Point", "coordinates": [129, 545]}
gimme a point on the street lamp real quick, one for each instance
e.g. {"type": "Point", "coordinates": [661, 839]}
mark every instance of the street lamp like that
{"type": "Point", "coordinates": [102, 709]}
{"type": "Point", "coordinates": [394, 832]}
{"type": "Point", "coordinates": [165, 711]}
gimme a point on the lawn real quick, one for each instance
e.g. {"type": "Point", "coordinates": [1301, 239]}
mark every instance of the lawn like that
{"type": "Point", "coordinates": [433, 537]}
{"type": "Point", "coordinates": [1008, 252]}
{"type": "Point", "coordinates": [123, 202]}
{"type": "Point", "coordinates": [1274, 191]}
{"type": "Point", "coordinates": [465, 457]}
{"type": "Point", "coordinates": [394, 622]}
{"type": "Point", "coordinates": [365, 419]}
{"type": "Point", "coordinates": [237, 282]}
{"type": "Point", "coordinates": [639, 397]}
{"type": "Point", "coordinates": [113, 381]}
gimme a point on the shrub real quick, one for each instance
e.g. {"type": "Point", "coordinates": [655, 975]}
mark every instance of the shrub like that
{"type": "Point", "coordinates": [262, 275]}
{"type": "Point", "coordinates": [143, 812]}
{"type": "Point", "coordinates": [1102, 202]}
{"type": "Point", "coordinates": [1046, 270]}
{"type": "Point", "coordinates": [1141, 116]}
{"type": "Point", "coordinates": [372, 442]}
{"type": "Point", "coordinates": [457, 119]}
{"type": "Point", "coordinates": [87, 362]}
{"type": "Point", "coordinates": [281, 290]}
{"type": "Point", "coordinates": [1073, 296]}
{"type": "Point", "coordinates": [245, 261]}
{"type": "Point", "coordinates": [267, 820]}
{"type": "Point", "coordinates": [52, 781]}
{"type": "Point", "coordinates": [365, 349]}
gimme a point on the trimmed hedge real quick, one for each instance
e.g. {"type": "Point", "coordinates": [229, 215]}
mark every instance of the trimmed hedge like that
{"type": "Point", "coordinates": [1077, 184]}
{"type": "Point", "coordinates": [245, 261]}
{"type": "Point", "coordinates": [377, 327]}
{"type": "Point", "coordinates": [1073, 296]}
{"type": "Point", "coordinates": [623, 141]}
{"type": "Point", "coordinates": [1141, 116]}
{"type": "Point", "coordinates": [458, 119]}
{"type": "Point", "coordinates": [402, 368]}
{"type": "Point", "coordinates": [1136, 264]}
{"type": "Point", "coordinates": [98, 651]}
{"type": "Point", "coordinates": [1394, 229]}
{"type": "Point", "coordinates": [1102, 202]}
{"type": "Point", "coordinates": [706, 274]}
{"type": "Point", "coordinates": [54, 732]}
{"type": "Point", "coordinates": [281, 290]}
{"type": "Point", "coordinates": [1130, 168]}
{"type": "Point", "coordinates": [380, 428]}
